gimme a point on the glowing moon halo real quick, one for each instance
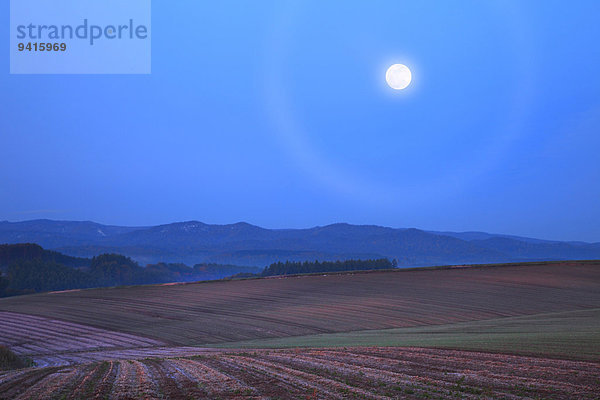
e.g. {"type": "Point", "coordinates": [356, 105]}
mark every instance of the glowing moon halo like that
{"type": "Point", "coordinates": [398, 76]}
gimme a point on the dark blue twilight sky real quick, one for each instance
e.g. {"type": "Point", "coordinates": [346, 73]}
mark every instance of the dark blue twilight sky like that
{"type": "Point", "coordinates": [277, 113]}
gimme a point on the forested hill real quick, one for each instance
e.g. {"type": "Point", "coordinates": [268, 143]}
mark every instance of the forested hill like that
{"type": "Point", "coordinates": [28, 268]}
{"type": "Point", "coordinates": [244, 244]}
{"type": "Point", "coordinates": [31, 269]}
{"type": "Point", "coordinates": [29, 251]}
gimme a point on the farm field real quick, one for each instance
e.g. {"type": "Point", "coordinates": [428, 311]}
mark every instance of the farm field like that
{"type": "Point", "coordinates": [502, 332]}
{"type": "Point", "coordinates": [565, 335]}
{"type": "Point", "coordinates": [363, 373]}
{"type": "Point", "coordinates": [40, 338]}
{"type": "Point", "coordinates": [231, 311]}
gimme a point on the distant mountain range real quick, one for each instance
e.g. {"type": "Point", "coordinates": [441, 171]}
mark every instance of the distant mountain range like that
{"type": "Point", "coordinates": [244, 244]}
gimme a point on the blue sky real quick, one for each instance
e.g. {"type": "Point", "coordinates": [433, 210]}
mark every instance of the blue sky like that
{"type": "Point", "coordinates": [277, 113]}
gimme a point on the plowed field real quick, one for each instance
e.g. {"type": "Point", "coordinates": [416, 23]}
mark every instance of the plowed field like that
{"type": "Point", "coordinates": [220, 312]}
{"type": "Point", "coordinates": [362, 373]}
{"type": "Point", "coordinates": [159, 342]}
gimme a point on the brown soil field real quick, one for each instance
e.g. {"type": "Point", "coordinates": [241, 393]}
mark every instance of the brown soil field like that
{"type": "Point", "coordinates": [136, 342]}
{"type": "Point", "coordinates": [362, 373]}
{"type": "Point", "coordinates": [36, 337]}
{"type": "Point", "coordinates": [227, 311]}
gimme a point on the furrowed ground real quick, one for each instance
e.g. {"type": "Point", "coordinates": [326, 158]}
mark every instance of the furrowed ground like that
{"type": "Point", "coordinates": [566, 335]}
{"type": "Point", "coordinates": [136, 342]}
{"type": "Point", "coordinates": [220, 312]}
{"type": "Point", "coordinates": [361, 373]}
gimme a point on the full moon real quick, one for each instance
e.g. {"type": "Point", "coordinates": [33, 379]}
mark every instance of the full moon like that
{"type": "Point", "coordinates": [398, 76]}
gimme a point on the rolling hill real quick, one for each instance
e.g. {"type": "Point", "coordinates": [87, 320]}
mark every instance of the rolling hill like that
{"type": "Point", "coordinates": [516, 331]}
{"type": "Point", "coordinates": [233, 311]}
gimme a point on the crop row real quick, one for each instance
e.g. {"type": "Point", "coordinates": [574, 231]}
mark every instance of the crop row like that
{"type": "Point", "coordinates": [34, 336]}
{"type": "Point", "coordinates": [204, 313]}
{"type": "Point", "coordinates": [366, 373]}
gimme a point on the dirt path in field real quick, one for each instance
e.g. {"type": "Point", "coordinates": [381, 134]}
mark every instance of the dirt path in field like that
{"type": "Point", "coordinates": [364, 373]}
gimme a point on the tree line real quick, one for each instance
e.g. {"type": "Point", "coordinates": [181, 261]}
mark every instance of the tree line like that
{"type": "Point", "coordinates": [28, 268]}
{"type": "Point", "coordinates": [312, 267]}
